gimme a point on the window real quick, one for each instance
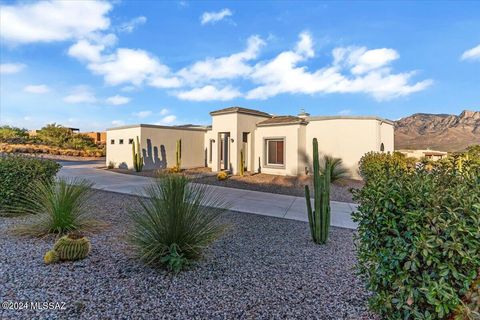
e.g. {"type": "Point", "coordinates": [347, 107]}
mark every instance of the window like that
{"type": "Point", "coordinates": [120, 141]}
{"type": "Point", "coordinates": [275, 151]}
{"type": "Point", "coordinates": [210, 150]}
{"type": "Point", "coordinates": [112, 141]}
{"type": "Point", "coordinates": [382, 147]}
{"type": "Point", "coordinates": [245, 137]}
{"type": "Point", "coordinates": [130, 141]}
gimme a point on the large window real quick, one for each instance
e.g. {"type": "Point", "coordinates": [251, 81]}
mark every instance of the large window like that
{"type": "Point", "coordinates": [275, 152]}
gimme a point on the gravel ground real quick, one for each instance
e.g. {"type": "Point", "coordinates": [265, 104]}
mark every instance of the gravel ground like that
{"type": "Point", "coordinates": [263, 268]}
{"type": "Point", "coordinates": [289, 185]}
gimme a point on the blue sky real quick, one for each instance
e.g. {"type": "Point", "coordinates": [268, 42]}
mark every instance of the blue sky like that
{"type": "Point", "coordinates": [96, 64]}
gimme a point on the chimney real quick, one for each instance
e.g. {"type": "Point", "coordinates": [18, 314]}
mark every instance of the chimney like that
{"type": "Point", "coordinates": [303, 114]}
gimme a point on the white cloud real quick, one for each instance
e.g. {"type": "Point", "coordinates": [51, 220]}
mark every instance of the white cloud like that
{"type": "Point", "coordinates": [209, 92]}
{"type": "Point", "coordinates": [46, 21]}
{"type": "Point", "coordinates": [10, 68]}
{"type": "Point", "coordinates": [369, 74]}
{"type": "Point", "coordinates": [132, 24]}
{"type": "Point", "coordinates": [214, 17]}
{"type": "Point", "coordinates": [41, 88]}
{"type": "Point", "coordinates": [168, 119]}
{"type": "Point", "coordinates": [164, 111]}
{"type": "Point", "coordinates": [225, 67]}
{"type": "Point", "coordinates": [143, 114]}
{"type": "Point", "coordinates": [86, 51]}
{"type": "Point", "coordinates": [118, 123]}
{"type": "Point", "coordinates": [117, 100]}
{"type": "Point", "coordinates": [134, 66]}
{"type": "Point", "coordinates": [472, 54]}
{"type": "Point", "coordinates": [80, 94]}
{"type": "Point", "coordinates": [345, 112]}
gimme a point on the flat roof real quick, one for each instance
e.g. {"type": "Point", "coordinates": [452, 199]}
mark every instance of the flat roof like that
{"type": "Point", "coordinates": [141, 125]}
{"type": "Point", "coordinates": [321, 118]}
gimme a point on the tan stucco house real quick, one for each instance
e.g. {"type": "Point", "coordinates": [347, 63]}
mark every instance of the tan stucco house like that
{"type": "Point", "coordinates": [271, 144]}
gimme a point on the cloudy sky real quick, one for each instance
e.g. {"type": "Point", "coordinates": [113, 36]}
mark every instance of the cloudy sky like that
{"type": "Point", "coordinates": [98, 64]}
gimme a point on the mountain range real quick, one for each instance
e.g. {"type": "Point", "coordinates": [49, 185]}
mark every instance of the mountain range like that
{"type": "Point", "coordinates": [444, 132]}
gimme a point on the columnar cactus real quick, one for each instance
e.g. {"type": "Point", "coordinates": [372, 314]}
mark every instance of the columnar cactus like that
{"type": "Point", "coordinates": [242, 163]}
{"type": "Point", "coordinates": [178, 158]}
{"type": "Point", "coordinates": [72, 247]}
{"type": "Point", "coordinates": [319, 218]}
{"type": "Point", "coordinates": [137, 156]}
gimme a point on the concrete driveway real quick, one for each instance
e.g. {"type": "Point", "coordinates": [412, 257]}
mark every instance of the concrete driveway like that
{"type": "Point", "coordinates": [268, 204]}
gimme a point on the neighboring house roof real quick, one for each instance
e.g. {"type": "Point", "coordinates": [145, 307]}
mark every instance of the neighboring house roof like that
{"type": "Point", "coordinates": [435, 153]}
{"type": "Point", "coordinates": [281, 120]}
{"type": "Point", "coordinates": [240, 110]}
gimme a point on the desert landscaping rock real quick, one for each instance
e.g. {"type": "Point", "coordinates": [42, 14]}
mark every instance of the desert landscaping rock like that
{"type": "Point", "coordinates": [261, 268]}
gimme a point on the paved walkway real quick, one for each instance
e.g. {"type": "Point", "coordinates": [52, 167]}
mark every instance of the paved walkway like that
{"type": "Point", "coordinates": [263, 203]}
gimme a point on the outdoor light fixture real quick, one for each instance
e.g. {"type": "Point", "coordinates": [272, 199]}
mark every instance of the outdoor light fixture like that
{"type": "Point", "coordinates": [232, 140]}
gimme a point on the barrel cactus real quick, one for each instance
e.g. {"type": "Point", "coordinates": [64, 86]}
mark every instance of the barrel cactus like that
{"type": "Point", "coordinates": [50, 257]}
{"type": "Point", "coordinates": [72, 247]}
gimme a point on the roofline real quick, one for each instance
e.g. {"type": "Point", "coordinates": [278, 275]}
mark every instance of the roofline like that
{"type": "Point", "coordinates": [282, 124]}
{"type": "Point", "coordinates": [320, 118]}
{"type": "Point", "coordinates": [154, 126]}
{"type": "Point", "coordinates": [253, 113]}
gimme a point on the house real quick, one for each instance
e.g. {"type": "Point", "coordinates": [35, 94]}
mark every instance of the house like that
{"type": "Point", "coordinates": [270, 144]}
{"type": "Point", "coordinates": [428, 154]}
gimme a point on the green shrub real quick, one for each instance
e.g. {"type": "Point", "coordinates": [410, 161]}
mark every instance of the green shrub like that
{"type": "Point", "coordinates": [59, 207]}
{"type": "Point", "coordinates": [18, 173]}
{"type": "Point", "coordinates": [373, 163]}
{"type": "Point", "coordinates": [418, 240]}
{"type": "Point", "coordinates": [176, 222]}
{"type": "Point", "coordinates": [13, 134]}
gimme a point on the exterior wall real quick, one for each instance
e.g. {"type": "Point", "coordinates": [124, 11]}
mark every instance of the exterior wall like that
{"type": "Point", "coordinates": [121, 154]}
{"type": "Point", "coordinates": [293, 148]}
{"type": "Point", "coordinates": [235, 124]}
{"type": "Point", "coordinates": [159, 147]}
{"type": "Point", "coordinates": [348, 139]}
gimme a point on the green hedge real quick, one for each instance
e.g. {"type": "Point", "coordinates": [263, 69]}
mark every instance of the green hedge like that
{"type": "Point", "coordinates": [373, 163]}
{"type": "Point", "coordinates": [18, 172]}
{"type": "Point", "coordinates": [419, 237]}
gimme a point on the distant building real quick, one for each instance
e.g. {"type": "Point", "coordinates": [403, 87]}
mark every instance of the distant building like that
{"type": "Point", "coordinates": [428, 154]}
{"type": "Point", "coordinates": [98, 137]}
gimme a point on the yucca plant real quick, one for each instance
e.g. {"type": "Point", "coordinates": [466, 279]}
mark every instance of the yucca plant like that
{"type": "Point", "coordinates": [176, 222]}
{"type": "Point", "coordinates": [59, 207]}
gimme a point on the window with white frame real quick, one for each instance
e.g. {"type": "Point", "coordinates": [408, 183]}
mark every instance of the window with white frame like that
{"type": "Point", "coordinates": [275, 151]}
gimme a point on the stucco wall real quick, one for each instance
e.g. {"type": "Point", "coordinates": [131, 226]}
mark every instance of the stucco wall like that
{"type": "Point", "coordinates": [159, 147]}
{"type": "Point", "coordinates": [291, 134]}
{"type": "Point", "coordinates": [348, 139]}
{"type": "Point", "coordinates": [235, 124]}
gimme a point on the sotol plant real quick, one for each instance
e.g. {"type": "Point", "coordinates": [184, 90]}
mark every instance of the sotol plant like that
{"type": "Point", "coordinates": [137, 156]}
{"type": "Point", "coordinates": [331, 170]}
{"type": "Point", "coordinates": [176, 222]}
{"type": "Point", "coordinates": [59, 207]}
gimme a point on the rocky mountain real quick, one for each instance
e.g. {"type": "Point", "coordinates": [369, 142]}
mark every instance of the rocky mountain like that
{"type": "Point", "coordinates": [445, 132]}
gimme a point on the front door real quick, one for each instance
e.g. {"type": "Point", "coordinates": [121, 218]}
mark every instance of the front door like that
{"type": "Point", "coordinates": [224, 151]}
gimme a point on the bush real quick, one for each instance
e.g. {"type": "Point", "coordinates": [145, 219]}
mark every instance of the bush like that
{"type": "Point", "coordinates": [13, 134]}
{"type": "Point", "coordinates": [222, 175]}
{"type": "Point", "coordinates": [176, 222]}
{"type": "Point", "coordinates": [59, 208]}
{"type": "Point", "coordinates": [419, 236]}
{"type": "Point", "coordinates": [17, 175]}
{"type": "Point", "coordinates": [374, 163]}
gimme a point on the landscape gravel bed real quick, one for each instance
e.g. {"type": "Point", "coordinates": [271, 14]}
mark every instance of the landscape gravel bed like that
{"type": "Point", "coordinates": [262, 268]}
